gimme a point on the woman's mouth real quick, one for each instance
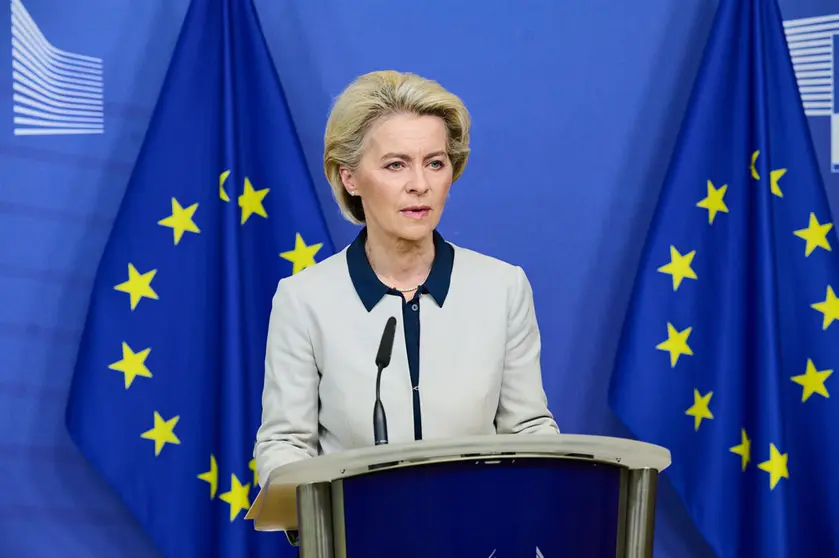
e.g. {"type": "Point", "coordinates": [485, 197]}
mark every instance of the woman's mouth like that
{"type": "Point", "coordinates": [415, 211]}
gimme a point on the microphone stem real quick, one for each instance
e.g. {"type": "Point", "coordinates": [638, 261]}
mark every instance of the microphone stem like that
{"type": "Point", "coordinates": [379, 419]}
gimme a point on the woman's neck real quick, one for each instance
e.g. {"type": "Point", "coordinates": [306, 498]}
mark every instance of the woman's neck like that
{"type": "Point", "coordinates": [399, 263]}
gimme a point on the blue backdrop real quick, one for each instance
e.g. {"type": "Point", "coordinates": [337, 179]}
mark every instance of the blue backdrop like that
{"type": "Point", "coordinates": [576, 107]}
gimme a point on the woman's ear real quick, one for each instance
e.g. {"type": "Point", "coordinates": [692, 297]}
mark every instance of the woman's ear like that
{"type": "Point", "coordinates": [348, 180]}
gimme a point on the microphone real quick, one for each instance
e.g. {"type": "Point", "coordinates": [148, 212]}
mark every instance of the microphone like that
{"type": "Point", "coordinates": [382, 361]}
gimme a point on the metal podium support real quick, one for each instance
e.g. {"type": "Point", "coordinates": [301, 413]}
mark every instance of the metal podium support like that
{"type": "Point", "coordinates": [314, 520]}
{"type": "Point", "coordinates": [640, 515]}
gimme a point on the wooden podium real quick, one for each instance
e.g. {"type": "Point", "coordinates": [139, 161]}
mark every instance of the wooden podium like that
{"type": "Point", "coordinates": [487, 496]}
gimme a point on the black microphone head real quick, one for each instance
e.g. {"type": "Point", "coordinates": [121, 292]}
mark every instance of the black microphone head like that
{"type": "Point", "coordinates": [386, 344]}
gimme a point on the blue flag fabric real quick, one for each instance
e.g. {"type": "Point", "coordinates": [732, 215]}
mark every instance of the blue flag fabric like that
{"type": "Point", "coordinates": [732, 333]}
{"type": "Point", "coordinates": [166, 396]}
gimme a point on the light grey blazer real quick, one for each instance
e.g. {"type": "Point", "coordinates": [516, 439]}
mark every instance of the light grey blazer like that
{"type": "Point", "coordinates": [479, 356]}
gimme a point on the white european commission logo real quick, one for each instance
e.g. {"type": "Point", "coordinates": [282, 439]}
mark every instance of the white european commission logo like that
{"type": "Point", "coordinates": [55, 91]}
{"type": "Point", "coordinates": [812, 43]}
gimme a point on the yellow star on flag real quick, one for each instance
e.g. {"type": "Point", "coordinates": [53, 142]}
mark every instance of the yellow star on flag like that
{"type": "Point", "coordinates": [132, 364]}
{"type": "Point", "coordinates": [815, 235]}
{"type": "Point", "coordinates": [237, 497]}
{"type": "Point", "coordinates": [138, 285]}
{"type": "Point", "coordinates": [776, 466]}
{"type": "Point", "coordinates": [162, 433]}
{"type": "Point", "coordinates": [829, 307]}
{"type": "Point", "coordinates": [251, 201]}
{"type": "Point", "coordinates": [180, 220]}
{"type": "Point", "coordinates": [302, 256]}
{"type": "Point", "coordinates": [699, 410]}
{"type": "Point", "coordinates": [812, 381]}
{"type": "Point", "coordinates": [752, 167]}
{"type": "Point", "coordinates": [679, 267]}
{"type": "Point", "coordinates": [774, 177]}
{"type": "Point", "coordinates": [743, 449]}
{"type": "Point", "coordinates": [252, 467]}
{"type": "Point", "coordinates": [676, 344]}
{"type": "Point", "coordinates": [211, 476]}
{"type": "Point", "coordinates": [221, 180]}
{"type": "Point", "coordinates": [713, 202]}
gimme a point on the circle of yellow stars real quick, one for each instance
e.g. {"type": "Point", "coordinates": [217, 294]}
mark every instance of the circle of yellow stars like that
{"type": "Point", "coordinates": [138, 286]}
{"type": "Point", "coordinates": [812, 380]}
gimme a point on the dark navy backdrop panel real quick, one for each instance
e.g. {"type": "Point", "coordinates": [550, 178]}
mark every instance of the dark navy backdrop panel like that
{"type": "Point", "coordinates": [576, 108]}
{"type": "Point", "coordinates": [477, 508]}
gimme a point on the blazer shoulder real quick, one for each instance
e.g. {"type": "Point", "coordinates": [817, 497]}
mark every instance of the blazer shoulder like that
{"type": "Point", "coordinates": [317, 278]}
{"type": "Point", "coordinates": [478, 265]}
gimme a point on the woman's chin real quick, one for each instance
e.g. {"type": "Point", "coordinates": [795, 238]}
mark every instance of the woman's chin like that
{"type": "Point", "coordinates": [415, 230]}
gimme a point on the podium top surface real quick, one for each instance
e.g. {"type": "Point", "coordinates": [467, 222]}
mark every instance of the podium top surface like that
{"type": "Point", "coordinates": [275, 505]}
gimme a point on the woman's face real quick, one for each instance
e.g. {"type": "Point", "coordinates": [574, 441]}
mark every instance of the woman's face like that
{"type": "Point", "coordinates": [404, 176]}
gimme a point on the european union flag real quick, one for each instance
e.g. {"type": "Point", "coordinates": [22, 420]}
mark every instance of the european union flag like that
{"type": "Point", "coordinates": [732, 334]}
{"type": "Point", "coordinates": [166, 397]}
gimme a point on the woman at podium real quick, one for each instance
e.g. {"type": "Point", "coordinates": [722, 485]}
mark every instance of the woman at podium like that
{"type": "Point", "coordinates": [464, 357]}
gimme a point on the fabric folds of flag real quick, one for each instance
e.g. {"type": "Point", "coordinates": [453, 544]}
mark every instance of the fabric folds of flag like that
{"type": "Point", "coordinates": [166, 396]}
{"type": "Point", "coordinates": [732, 333]}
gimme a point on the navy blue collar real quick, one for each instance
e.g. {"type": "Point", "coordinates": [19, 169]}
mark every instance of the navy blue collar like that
{"type": "Point", "coordinates": [370, 290]}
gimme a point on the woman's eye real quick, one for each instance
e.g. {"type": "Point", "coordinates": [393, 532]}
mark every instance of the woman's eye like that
{"type": "Point", "coordinates": [437, 164]}
{"type": "Point", "coordinates": [394, 165]}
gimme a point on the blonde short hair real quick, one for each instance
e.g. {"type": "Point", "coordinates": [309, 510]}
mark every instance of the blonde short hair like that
{"type": "Point", "coordinates": [378, 94]}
